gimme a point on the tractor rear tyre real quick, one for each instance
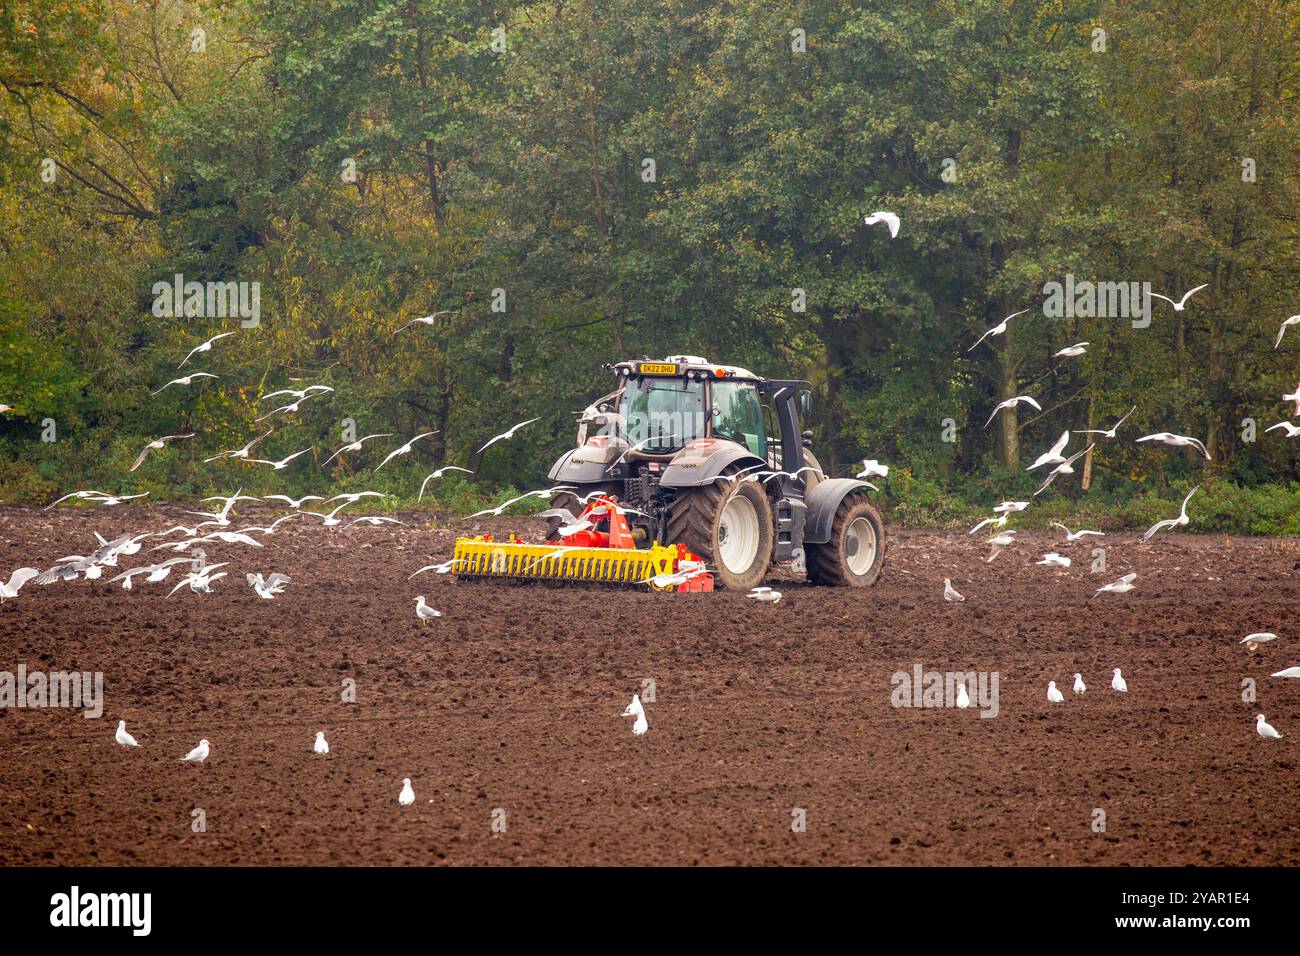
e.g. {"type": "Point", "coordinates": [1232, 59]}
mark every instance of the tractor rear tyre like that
{"type": "Point", "coordinates": [729, 525]}
{"type": "Point", "coordinates": [855, 554]}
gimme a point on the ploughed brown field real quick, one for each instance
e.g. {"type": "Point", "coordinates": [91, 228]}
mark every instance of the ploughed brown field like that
{"type": "Point", "coordinates": [511, 703]}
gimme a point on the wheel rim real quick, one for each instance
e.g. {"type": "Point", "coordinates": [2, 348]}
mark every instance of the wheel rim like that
{"type": "Point", "coordinates": [860, 546]}
{"type": "Point", "coordinates": [738, 534]}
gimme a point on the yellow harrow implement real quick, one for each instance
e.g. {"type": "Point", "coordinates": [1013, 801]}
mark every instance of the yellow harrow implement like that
{"type": "Point", "coordinates": [484, 557]}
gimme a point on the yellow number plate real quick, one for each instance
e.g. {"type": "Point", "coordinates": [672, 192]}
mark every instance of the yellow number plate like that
{"type": "Point", "coordinates": [657, 368]}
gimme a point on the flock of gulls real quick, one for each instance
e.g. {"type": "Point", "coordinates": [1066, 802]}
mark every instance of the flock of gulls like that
{"type": "Point", "coordinates": [1061, 464]}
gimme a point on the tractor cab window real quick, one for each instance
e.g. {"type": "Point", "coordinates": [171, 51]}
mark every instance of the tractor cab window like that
{"type": "Point", "coordinates": [662, 414]}
{"type": "Point", "coordinates": [738, 415]}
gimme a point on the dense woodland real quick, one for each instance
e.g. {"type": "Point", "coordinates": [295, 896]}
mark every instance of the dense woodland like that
{"type": "Point", "coordinates": [578, 182]}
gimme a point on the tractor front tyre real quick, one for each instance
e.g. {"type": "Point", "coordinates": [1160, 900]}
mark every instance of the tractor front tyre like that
{"type": "Point", "coordinates": [855, 554]}
{"type": "Point", "coordinates": [729, 525]}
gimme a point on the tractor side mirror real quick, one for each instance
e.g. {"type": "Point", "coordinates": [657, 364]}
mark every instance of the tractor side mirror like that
{"type": "Point", "coordinates": [805, 404]}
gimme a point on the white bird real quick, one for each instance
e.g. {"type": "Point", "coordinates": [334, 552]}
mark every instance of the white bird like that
{"type": "Point", "coordinates": [373, 521]}
{"type": "Point", "coordinates": [274, 584]}
{"type": "Point", "coordinates": [328, 520]}
{"type": "Point", "coordinates": [1282, 329]}
{"type": "Point", "coordinates": [80, 496]}
{"type": "Point", "coordinates": [950, 592]}
{"type": "Point", "coordinates": [270, 529]}
{"type": "Point", "coordinates": [438, 474]}
{"type": "Point", "coordinates": [155, 445]}
{"type": "Point", "coordinates": [1004, 539]}
{"type": "Point", "coordinates": [1178, 522]}
{"type": "Point", "coordinates": [185, 380]}
{"type": "Point", "coordinates": [568, 530]}
{"type": "Point", "coordinates": [1009, 507]}
{"type": "Point", "coordinates": [1071, 351]}
{"type": "Point", "coordinates": [232, 537]}
{"type": "Point", "coordinates": [766, 595]}
{"type": "Point", "coordinates": [674, 579]}
{"type": "Point", "coordinates": [1079, 686]}
{"type": "Point", "coordinates": [352, 497]}
{"type": "Point", "coordinates": [635, 709]}
{"type": "Point", "coordinates": [423, 612]}
{"type": "Point", "coordinates": [5, 408]}
{"type": "Point", "coordinates": [17, 579]}
{"type": "Point", "coordinates": [283, 462]}
{"type": "Point", "coordinates": [320, 746]}
{"type": "Point", "coordinates": [1064, 468]}
{"type": "Point", "coordinates": [122, 737]}
{"type": "Point", "coordinates": [1108, 432]}
{"type": "Point", "coordinates": [424, 320]}
{"type": "Point", "coordinates": [437, 568]}
{"type": "Point", "coordinates": [874, 469]}
{"type": "Point", "coordinates": [1054, 695]}
{"type": "Point", "coordinates": [998, 522]}
{"type": "Point", "coordinates": [997, 329]}
{"type": "Point", "coordinates": [1169, 438]}
{"type": "Point", "coordinates": [1293, 397]}
{"type": "Point", "coordinates": [1118, 683]}
{"type": "Point", "coordinates": [1288, 672]}
{"type": "Point", "coordinates": [354, 446]}
{"type": "Point", "coordinates": [198, 754]}
{"type": "Point", "coordinates": [155, 572]}
{"type": "Point", "coordinates": [1012, 403]}
{"type": "Point", "coordinates": [1252, 641]}
{"type": "Point", "coordinates": [238, 452]}
{"type": "Point", "coordinates": [1053, 559]}
{"type": "Point", "coordinates": [963, 698]}
{"type": "Point", "coordinates": [291, 502]}
{"type": "Point", "coordinates": [407, 796]}
{"type": "Point", "coordinates": [888, 218]}
{"type": "Point", "coordinates": [1265, 729]}
{"type": "Point", "coordinates": [1075, 535]}
{"type": "Point", "coordinates": [304, 393]}
{"type": "Point", "coordinates": [509, 433]}
{"type": "Point", "coordinates": [205, 347]}
{"type": "Point", "coordinates": [1291, 430]}
{"type": "Point", "coordinates": [404, 449]}
{"type": "Point", "coordinates": [1181, 303]}
{"type": "Point", "coordinates": [1053, 455]}
{"type": "Point", "coordinates": [1121, 586]}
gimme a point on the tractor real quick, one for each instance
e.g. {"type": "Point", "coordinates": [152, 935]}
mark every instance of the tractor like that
{"type": "Point", "coordinates": [692, 464]}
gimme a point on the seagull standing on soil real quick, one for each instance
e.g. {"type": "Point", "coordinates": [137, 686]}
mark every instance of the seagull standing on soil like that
{"type": "Point", "coordinates": [888, 218]}
{"type": "Point", "coordinates": [1265, 729]}
{"type": "Point", "coordinates": [122, 737]}
{"type": "Point", "coordinates": [320, 746]}
{"type": "Point", "coordinates": [1054, 695]}
{"type": "Point", "coordinates": [1011, 403]}
{"type": "Point", "coordinates": [635, 709]}
{"type": "Point", "coordinates": [1169, 438]}
{"type": "Point", "coordinates": [407, 796]}
{"type": "Point", "coordinates": [950, 592]}
{"type": "Point", "coordinates": [1181, 303]}
{"type": "Point", "coordinates": [1178, 522]}
{"type": "Point", "coordinates": [423, 612]}
{"type": "Point", "coordinates": [509, 433]}
{"type": "Point", "coordinates": [1079, 686]}
{"type": "Point", "coordinates": [997, 329]}
{"type": "Point", "coordinates": [198, 754]}
{"type": "Point", "coordinates": [1118, 683]}
{"type": "Point", "coordinates": [1108, 432]}
{"type": "Point", "coordinates": [963, 698]}
{"type": "Point", "coordinates": [1252, 641]}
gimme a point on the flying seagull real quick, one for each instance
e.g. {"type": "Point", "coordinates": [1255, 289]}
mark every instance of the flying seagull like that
{"type": "Point", "coordinates": [1179, 522]}
{"type": "Point", "coordinates": [438, 474]}
{"type": "Point", "coordinates": [1181, 303]}
{"type": "Point", "coordinates": [1169, 438]}
{"type": "Point", "coordinates": [1291, 430]}
{"type": "Point", "coordinates": [997, 329]}
{"type": "Point", "coordinates": [184, 381]}
{"type": "Point", "coordinates": [1109, 432]}
{"type": "Point", "coordinates": [1294, 397]}
{"type": "Point", "coordinates": [1053, 455]}
{"type": "Point", "coordinates": [283, 462]}
{"type": "Point", "coordinates": [1070, 351]}
{"type": "Point", "coordinates": [874, 469]}
{"type": "Point", "coordinates": [404, 449]}
{"type": "Point", "coordinates": [1012, 403]}
{"type": "Point", "coordinates": [16, 580]}
{"type": "Point", "coordinates": [300, 395]}
{"type": "Point", "coordinates": [510, 433]}
{"type": "Point", "coordinates": [424, 320]}
{"type": "Point", "coordinates": [766, 595]}
{"type": "Point", "coordinates": [1252, 641]}
{"type": "Point", "coordinates": [156, 445]}
{"type": "Point", "coordinates": [1064, 468]}
{"type": "Point", "coordinates": [238, 452]}
{"type": "Point", "coordinates": [423, 612]}
{"type": "Point", "coordinates": [1052, 559]}
{"type": "Point", "coordinates": [1122, 586]}
{"type": "Point", "coordinates": [1293, 320]}
{"type": "Point", "coordinates": [354, 446]}
{"type": "Point", "coordinates": [1075, 535]}
{"type": "Point", "coordinates": [205, 347]}
{"type": "Point", "coordinates": [291, 502]}
{"type": "Point", "coordinates": [888, 218]}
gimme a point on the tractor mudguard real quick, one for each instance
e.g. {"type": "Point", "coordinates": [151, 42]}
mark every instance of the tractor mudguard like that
{"type": "Point", "coordinates": [699, 466]}
{"type": "Point", "coordinates": [585, 465]}
{"type": "Point", "coordinates": [823, 501]}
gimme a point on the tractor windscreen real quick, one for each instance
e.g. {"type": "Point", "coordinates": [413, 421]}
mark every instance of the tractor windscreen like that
{"type": "Point", "coordinates": [662, 414]}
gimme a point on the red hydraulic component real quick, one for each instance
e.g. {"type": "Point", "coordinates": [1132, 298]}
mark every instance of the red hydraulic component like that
{"type": "Point", "coordinates": [619, 534]}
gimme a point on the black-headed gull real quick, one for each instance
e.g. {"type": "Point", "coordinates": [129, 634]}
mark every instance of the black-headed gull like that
{"type": "Point", "coordinates": [122, 737]}
{"type": "Point", "coordinates": [888, 218]}
{"type": "Point", "coordinates": [1169, 438]}
{"type": "Point", "coordinates": [1181, 303]}
{"type": "Point", "coordinates": [1265, 729]}
{"type": "Point", "coordinates": [198, 754]}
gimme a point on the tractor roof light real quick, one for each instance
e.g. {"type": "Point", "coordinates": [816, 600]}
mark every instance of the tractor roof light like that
{"type": "Point", "coordinates": [721, 373]}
